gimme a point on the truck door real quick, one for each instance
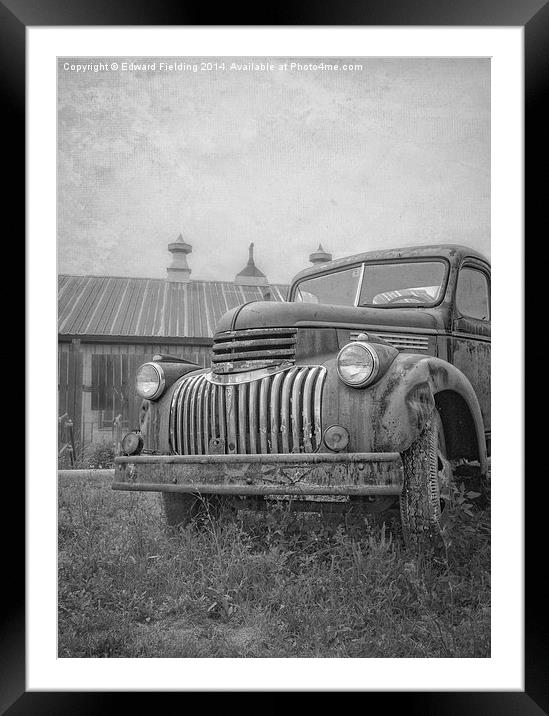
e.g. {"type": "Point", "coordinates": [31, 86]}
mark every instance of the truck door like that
{"type": "Point", "coordinates": [471, 331]}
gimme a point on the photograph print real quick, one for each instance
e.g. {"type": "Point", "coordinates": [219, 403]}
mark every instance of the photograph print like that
{"type": "Point", "coordinates": [273, 357]}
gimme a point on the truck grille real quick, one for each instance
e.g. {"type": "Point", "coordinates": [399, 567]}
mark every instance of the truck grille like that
{"type": "Point", "coordinates": [404, 342]}
{"type": "Point", "coordinates": [277, 414]}
{"type": "Point", "coordinates": [237, 351]}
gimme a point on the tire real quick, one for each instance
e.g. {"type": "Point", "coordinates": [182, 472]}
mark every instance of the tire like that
{"type": "Point", "coordinates": [426, 488]}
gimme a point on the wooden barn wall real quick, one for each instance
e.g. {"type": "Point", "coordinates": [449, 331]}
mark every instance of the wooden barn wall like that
{"type": "Point", "coordinates": [96, 380]}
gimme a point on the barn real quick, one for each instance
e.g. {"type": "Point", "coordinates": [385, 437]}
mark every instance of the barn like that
{"type": "Point", "coordinates": [109, 325]}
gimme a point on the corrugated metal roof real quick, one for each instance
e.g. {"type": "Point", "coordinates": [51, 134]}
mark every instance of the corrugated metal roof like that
{"type": "Point", "coordinates": [117, 306]}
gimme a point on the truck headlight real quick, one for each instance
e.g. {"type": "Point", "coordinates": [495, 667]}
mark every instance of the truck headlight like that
{"type": "Point", "coordinates": [357, 364]}
{"type": "Point", "coordinates": [150, 381]}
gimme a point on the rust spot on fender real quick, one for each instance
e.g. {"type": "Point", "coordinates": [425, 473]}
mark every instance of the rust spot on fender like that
{"type": "Point", "coordinates": [439, 374]}
{"type": "Point", "coordinates": [419, 404]}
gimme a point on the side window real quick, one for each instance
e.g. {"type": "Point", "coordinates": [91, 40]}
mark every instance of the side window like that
{"type": "Point", "coordinates": [473, 294]}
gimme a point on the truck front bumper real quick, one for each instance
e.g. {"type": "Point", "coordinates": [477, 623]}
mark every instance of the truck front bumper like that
{"type": "Point", "coordinates": [353, 474]}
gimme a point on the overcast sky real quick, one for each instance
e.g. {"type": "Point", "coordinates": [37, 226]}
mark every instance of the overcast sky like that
{"type": "Point", "coordinates": [396, 153]}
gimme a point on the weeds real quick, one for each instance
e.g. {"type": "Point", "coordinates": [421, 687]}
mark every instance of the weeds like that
{"type": "Point", "coordinates": [97, 456]}
{"type": "Point", "coordinates": [272, 584]}
{"type": "Point", "coordinates": [94, 456]}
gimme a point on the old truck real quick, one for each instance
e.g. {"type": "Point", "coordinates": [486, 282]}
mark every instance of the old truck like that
{"type": "Point", "coordinates": [362, 391]}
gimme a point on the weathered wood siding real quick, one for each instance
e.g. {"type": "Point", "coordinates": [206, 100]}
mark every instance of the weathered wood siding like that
{"type": "Point", "coordinates": [97, 377]}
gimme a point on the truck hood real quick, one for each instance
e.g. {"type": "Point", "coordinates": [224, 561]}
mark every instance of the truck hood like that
{"type": "Point", "coordinates": [270, 314]}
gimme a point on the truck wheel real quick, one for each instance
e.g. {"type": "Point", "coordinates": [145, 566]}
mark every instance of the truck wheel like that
{"type": "Point", "coordinates": [427, 475]}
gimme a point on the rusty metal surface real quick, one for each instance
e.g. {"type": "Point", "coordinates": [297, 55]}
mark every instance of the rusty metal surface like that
{"type": "Point", "coordinates": [270, 415]}
{"type": "Point", "coordinates": [473, 358]}
{"type": "Point", "coordinates": [317, 315]}
{"type": "Point", "coordinates": [291, 459]}
{"type": "Point", "coordinates": [262, 490]}
{"type": "Point", "coordinates": [320, 473]}
{"type": "Point", "coordinates": [390, 414]}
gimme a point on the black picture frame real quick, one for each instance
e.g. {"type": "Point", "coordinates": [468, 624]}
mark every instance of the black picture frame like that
{"type": "Point", "coordinates": [533, 16]}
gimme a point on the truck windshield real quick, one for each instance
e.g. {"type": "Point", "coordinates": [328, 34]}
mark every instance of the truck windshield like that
{"type": "Point", "coordinates": [338, 288]}
{"type": "Point", "coordinates": [402, 283]}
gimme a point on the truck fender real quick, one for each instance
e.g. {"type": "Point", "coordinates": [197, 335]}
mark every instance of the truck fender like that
{"type": "Point", "coordinates": [390, 414]}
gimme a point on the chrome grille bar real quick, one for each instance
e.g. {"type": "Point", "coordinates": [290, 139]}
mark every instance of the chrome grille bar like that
{"type": "Point", "coordinates": [174, 431]}
{"type": "Point", "coordinates": [285, 426]}
{"type": "Point", "coordinates": [255, 343]}
{"type": "Point", "coordinates": [183, 416]}
{"type": "Point", "coordinates": [199, 415]}
{"type": "Point", "coordinates": [254, 333]}
{"type": "Point", "coordinates": [230, 401]}
{"type": "Point", "coordinates": [252, 412]}
{"type": "Point", "coordinates": [275, 411]}
{"type": "Point", "coordinates": [207, 431]}
{"type": "Point", "coordinates": [243, 355]}
{"type": "Point", "coordinates": [243, 411]}
{"type": "Point", "coordinates": [308, 420]}
{"type": "Point", "coordinates": [263, 413]}
{"type": "Point", "coordinates": [192, 411]}
{"type": "Point", "coordinates": [214, 424]}
{"type": "Point", "coordinates": [317, 402]}
{"type": "Point", "coordinates": [296, 409]}
{"type": "Point", "coordinates": [206, 427]}
{"type": "Point", "coordinates": [222, 415]}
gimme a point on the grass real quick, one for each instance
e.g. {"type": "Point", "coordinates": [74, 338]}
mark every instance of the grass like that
{"type": "Point", "coordinates": [274, 584]}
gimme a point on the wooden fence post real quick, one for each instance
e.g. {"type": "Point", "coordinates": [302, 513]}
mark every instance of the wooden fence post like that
{"type": "Point", "coordinates": [74, 402]}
